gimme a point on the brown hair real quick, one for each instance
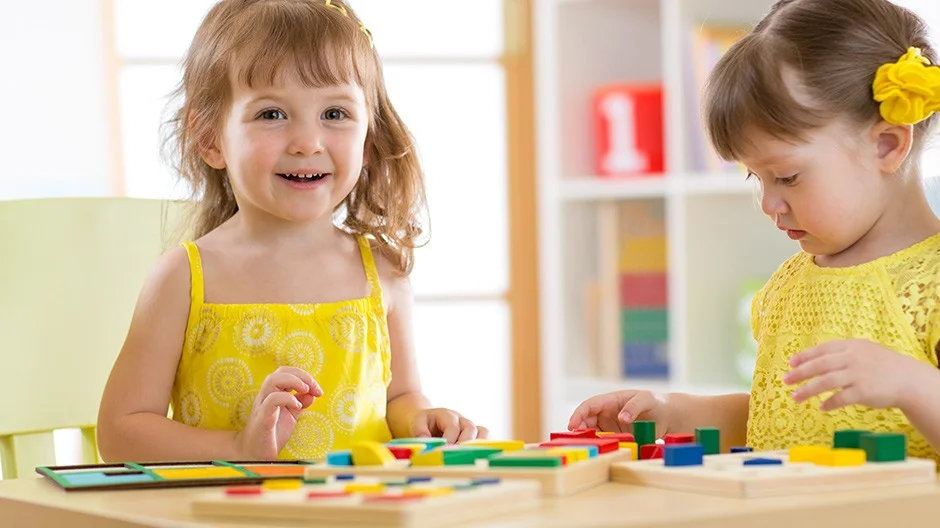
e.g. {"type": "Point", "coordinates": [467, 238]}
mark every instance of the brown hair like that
{"type": "Point", "coordinates": [252, 42]}
{"type": "Point", "coordinates": [834, 47]}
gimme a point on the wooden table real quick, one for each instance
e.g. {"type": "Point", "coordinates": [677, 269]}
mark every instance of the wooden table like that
{"type": "Point", "coordinates": [30, 502]}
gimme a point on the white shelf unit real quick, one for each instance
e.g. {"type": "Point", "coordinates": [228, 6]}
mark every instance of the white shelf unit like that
{"type": "Point", "coordinates": [716, 234]}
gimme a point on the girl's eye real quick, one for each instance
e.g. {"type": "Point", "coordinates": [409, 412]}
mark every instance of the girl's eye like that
{"type": "Point", "coordinates": [335, 114]}
{"type": "Point", "coordinates": [271, 115]}
{"type": "Point", "coordinates": [788, 181]}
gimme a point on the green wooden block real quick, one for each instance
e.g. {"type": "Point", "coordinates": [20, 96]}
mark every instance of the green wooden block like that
{"type": "Point", "coordinates": [314, 480]}
{"type": "Point", "coordinates": [884, 447]}
{"type": "Point", "coordinates": [509, 460]}
{"type": "Point", "coordinates": [850, 438]}
{"type": "Point", "coordinates": [467, 456]}
{"type": "Point", "coordinates": [710, 438]}
{"type": "Point", "coordinates": [428, 442]}
{"type": "Point", "coordinates": [644, 432]}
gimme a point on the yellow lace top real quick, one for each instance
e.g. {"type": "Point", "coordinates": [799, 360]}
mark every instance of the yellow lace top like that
{"type": "Point", "coordinates": [892, 301]}
{"type": "Point", "coordinates": [229, 349]}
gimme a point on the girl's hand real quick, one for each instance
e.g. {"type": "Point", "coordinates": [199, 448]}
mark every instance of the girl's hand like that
{"type": "Point", "coordinates": [283, 395]}
{"type": "Point", "coordinates": [859, 371]}
{"type": "Point", "coordinates": [616, 411]}
{"type": "Point", "coordinates": [447, 424]}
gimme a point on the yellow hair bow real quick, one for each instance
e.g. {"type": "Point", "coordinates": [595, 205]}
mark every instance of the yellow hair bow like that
{"type": "Point", "coordinates": [908, 90]}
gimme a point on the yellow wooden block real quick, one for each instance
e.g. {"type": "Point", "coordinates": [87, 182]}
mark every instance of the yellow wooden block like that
{"type": "Point", "coordinates": [365, 488]}
{"type": "Point", "coordinates": [371, 453]}
{"type": "Point", "coordinates": [572, 454]}
{"type": "Point", "coordinates": [419, 491]}
{"type": "Point", "coordinates": [198, 473]}
{"type": "Point", "coordinates": [634, 449]}
{"type": "Point", "coordinates": [807, 453]}
{"type": "Point", "coordinates": [428, 458]}
{"type": "Point", "coordinates": [282, 484]}
{"type": "Point", "coordinates": [841, 456]}
{"type": "Point", "coordinates": [505, 445]}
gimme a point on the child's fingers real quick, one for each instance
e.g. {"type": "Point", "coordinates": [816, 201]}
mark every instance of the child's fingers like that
{"type": "Point", "coordinates": [815, 367]}
{"type": "Point", "coordinates": [817, 351]}
{"type": "Point", "coordinates": [482, 432]}
{"type": "Point", "coordinates": [639, 403]}
{"type": "Point", "coordinates": [820, 384]}
{"type": "Point", "coordinates": [585, 415]}
{"type": "Point", "coordinates": [449, 427]}
{"type": "Point", "coordinates": [421, 429]}
{"type": "Point", "coordinates": [468, 431]}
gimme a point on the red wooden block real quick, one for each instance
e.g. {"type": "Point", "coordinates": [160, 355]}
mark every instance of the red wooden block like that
{"type": "Point", "coordinates": [643, 290]}
{"type": "Point", "coordinates": [628, 121]}
{"type": "Point", "coordinates": [620, 437]}
{"type": "Point", "coordinates": [577, 433]}
{"type": "Point", "coordinates": [326, 494]}
{"type": "Point", "coordinates": [651, 451]}
{"type": "Point", "coordinates": [244, 490]}
{"type": "Point", "coordinates": [679, 438]}
{"type": "Point", "coordinates": [603, 445]}
{"type": "Point", "coordinates": [400, 453]}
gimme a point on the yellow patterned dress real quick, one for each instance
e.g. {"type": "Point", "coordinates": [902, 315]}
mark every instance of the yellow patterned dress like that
{"type": "Point", "coordinates": [892, 300]}
{"type": "Point", "coordinates": [229, 349]}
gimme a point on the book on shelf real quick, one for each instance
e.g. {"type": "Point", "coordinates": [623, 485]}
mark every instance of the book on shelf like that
{"type": "Point", "coordinates": [705, 45]}
{"type": "Point", "coordinates": [631, 318]}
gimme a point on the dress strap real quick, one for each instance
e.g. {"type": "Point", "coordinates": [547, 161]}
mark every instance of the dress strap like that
{"type": "Point", "coordinates": [368, 263]}
{"type": "Point", "coordinates": [197, 284]}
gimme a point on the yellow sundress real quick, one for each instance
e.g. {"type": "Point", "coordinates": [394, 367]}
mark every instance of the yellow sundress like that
{"type": "Point", "coordinates": [229, 349]}
{"type": "Point", "coordinates": [892, 300]}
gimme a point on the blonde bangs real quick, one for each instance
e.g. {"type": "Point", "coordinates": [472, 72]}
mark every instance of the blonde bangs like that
{"type": "Point", "coordinates": [746, 93]}
{"type": "Point", "coordinates": [273, 38]}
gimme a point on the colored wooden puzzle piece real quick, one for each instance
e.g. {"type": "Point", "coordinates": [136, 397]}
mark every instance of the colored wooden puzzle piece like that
{"type": "Point", "coordinates": [710, 438]}
{"type": "Point", "coordinates": [502, 445]}
{"type": "Point", "coordinates": [742, 449]}
{"type": "Point", "coordinates": [577, 433]}
{"type": "Point", "coordinates": [644, 432]}
{"type": "Point", "coordinates": [679, 438]}
{"type": "Point", "coordinates": [850, 438]}
{"type": "Point", "coordinates": [621, 437]}
{"type": "Point", "coordinates": [371, 454]}
{"type": "Point", "coordinates": [884, 447]}
{"type": "Point", "coordinates": [525, 459]}
{"type": "Point", "coordinates": [763, 461]}
{"type": "Point", "coordinates": [651, 451]}
{"type": "Point", "coordinates": [683, 454]}
{"type": "Point", "coordinates": [603, 445]}
{"type": "Point", "coordinates": [339, 458]}
{"type": "Point", "coordinates": [429, 443]}
{"type": "Point", "coordinates": [841, 456]}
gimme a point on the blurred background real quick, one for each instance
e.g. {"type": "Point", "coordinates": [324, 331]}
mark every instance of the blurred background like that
{"type": "Point", "coordinates": [584, 236]}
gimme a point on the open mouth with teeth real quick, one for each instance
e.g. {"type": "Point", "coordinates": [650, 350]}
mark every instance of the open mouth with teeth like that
{"type": "Point", "coordinates": [304, 177]}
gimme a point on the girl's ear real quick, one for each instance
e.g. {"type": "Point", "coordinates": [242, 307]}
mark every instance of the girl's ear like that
{"type": "Point", "coordinates": [212, 155]}
{"type": "Point", "coordinates": [893, 144]}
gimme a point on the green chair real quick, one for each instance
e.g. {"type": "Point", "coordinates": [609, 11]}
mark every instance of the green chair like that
{"type": "Point", "coordinates": [70, 273]}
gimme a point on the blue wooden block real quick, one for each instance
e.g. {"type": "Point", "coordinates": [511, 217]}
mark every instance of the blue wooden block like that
{"type": "Point", "coordinates": [683, 454]}
{"type": "Point", "coordinates": [763, 462]}
{"type": "Point", "coordinates": [412, 480]}
{"type": "Point", "coordinates": [742, 449]}
{"type": "Point", "coordinates": [339, 458]}
{"type": "Point", "coordinates": [484, 481]}
{"type": "Point", "coordinates": [345, 477]}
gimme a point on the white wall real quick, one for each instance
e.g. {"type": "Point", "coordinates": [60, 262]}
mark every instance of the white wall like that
{"type": "Point", "coordinates": [53, 140]}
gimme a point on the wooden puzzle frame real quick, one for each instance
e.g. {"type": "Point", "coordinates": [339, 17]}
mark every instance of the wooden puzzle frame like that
{"type": "Point", "coordinates": [723, 475]}
{"type": "Point", "coordinates": [553, 481]}
{"type": "Point", "coordinates": [508, 496]}
{"type": "Point", "coordinates": [94, 477]}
